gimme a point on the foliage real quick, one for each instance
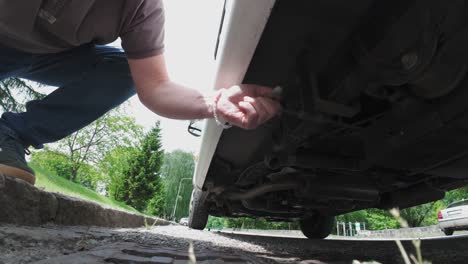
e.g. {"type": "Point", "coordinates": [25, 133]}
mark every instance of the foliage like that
{"type": "Point", "coordinates": [426, 214]}
{"type": "Point", "coordinates": [422, 215]}
{"type": "Point", "coordinates": [114, 165]}
{"type": "Point", "coordinates": [51, 182]}
{"type": "Point", "coordinates": [353, 217]}
{"type": "Point", "coordinates": [455, 195]}
{"type": "Point", "coordinates": [375, 219]}
{"type": "Point", "coordinates": [216, 222]}
{"type": "Point", "coordinates": [11, 90]}
{"type": "Point", "coordinates": [80, 156]}
{"type": "Point", "coordinates": [380, 219]}
{"type": "Point", "coordinates": [250, 223]}
{"type": "Point", "coordinates": [114, 155]}
{"type": "Point", "coordinates": [90, 144]}
{"type": "Point", "coordinates": [142, 176]}
{"type": "Point", "coordinates": [88, 176]}
{"type": "Point", "coordinates": [59, 164]}
{"type": "Point", "coordinates": [156, 204]}
{"type": "Point", "coordinates": [177, 171]}
{"type": "Point", "coordinates": [54, 161]}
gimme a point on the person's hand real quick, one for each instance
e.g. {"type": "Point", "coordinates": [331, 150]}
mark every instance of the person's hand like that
{"type": "Point", "coordinates": [246, 105]}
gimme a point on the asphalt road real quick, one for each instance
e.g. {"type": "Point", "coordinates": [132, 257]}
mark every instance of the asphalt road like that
{"type": "Point", "coordinates": [171, 244]}
{"type": "Point", "coordinates": [452, 249]}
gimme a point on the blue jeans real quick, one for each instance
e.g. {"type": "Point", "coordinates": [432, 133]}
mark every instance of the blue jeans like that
{"type": "Point", "coordinates": [91, 79]}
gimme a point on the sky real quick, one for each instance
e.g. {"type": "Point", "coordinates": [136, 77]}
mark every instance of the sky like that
{"type": "Point", "coordinates": [190, 40]}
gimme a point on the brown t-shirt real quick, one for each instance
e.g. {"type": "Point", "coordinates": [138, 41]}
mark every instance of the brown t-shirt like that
{"type": "Point", "coordinates": [51, 26]}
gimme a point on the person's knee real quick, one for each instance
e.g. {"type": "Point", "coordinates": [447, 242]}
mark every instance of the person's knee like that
{"type": "Point", "coordinates": [112, 58]}
{"type": "Point", "coordinates": [115, 61]}
{"type": "Point", "coordinates": [112, 64]}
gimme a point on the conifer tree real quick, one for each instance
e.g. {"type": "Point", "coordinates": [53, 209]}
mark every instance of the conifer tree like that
{"type": "Point", "coordinates": [144, 185]}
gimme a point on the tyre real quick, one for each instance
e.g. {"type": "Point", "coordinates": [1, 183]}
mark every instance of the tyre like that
{"type": "Point", "coordinates": [317, 227]}
{"type": "Point", "coordinates": [448, 232]}
{"type": "Point", "coordinates": [198, 213]}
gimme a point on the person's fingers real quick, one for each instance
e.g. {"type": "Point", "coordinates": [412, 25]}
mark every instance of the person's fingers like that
{"type": "Point", "coordinates": [247, 106]}
{"type": "Point", "coordinates": [272, 107]}
{"type": "Point", "coordinates": [234, 117]}
{"type": "Point", "coordinates": [266, 107]}
{"type": "Point", "coordinates": [263, 91]}
{"type": "Point", "coordinates": [229, 112]}
{"type": "Point", "coordinates": [262, 111]}
{"type": "Point", "coordinates": [254, 90]}
{"type": "Point", "coordinates": [234, 91]}
{"type": "Point", "coordinates": [250, 119]}
{"type": "Point", "coordinates": [251, 90]}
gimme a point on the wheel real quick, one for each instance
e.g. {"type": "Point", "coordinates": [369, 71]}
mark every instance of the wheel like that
{"type": "Point", "coordinates": [448, 232]}
{"type": "Point", "coordinates": [317, 227]}
{"type": "Point", "coordinates": [198, 213]}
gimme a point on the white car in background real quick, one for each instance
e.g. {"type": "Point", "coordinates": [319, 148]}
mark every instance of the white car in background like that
{"type": "Point", "coordinates": [374, 110]}
{"type": "Point", "coordinates": [455, 217]}
{"type": "Point", "coordinates": [184, 221]}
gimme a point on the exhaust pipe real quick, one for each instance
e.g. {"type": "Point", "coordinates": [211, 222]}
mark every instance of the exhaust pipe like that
{"type": "Point", "coordinates": [260, 190]}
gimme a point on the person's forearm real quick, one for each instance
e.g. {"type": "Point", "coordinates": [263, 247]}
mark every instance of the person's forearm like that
{"type": "Point", "coordinates": [175, 101]}
{"type": "Point", "coordinates": [246, 106]}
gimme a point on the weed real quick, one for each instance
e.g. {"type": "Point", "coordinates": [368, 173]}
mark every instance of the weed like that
{"type": "Point", "coordinates": [149, 227]}
{"type": "Point", "coordinates": [191, 254]}
{"type": "Point", "coordinates": [395, 212]}
{"type": "Point", "coordinates": [408, 259]}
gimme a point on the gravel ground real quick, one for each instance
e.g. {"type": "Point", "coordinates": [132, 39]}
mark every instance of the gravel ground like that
{"type": "Point", "coordinates": [170, 244]}
{"type": "Point", "coordinates": [30, 244]}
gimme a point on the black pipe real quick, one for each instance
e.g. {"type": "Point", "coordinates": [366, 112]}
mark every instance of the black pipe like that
{"type": "Point", "coordinates": [260, 190]}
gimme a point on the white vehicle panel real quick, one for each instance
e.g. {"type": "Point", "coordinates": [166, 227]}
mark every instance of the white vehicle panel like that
{"type": "Point", "coordinates": [454, 217]}
{"type": "Point", "coordinates": [459, 222]}
{"type": "Point", "coordinates": [243, 26]}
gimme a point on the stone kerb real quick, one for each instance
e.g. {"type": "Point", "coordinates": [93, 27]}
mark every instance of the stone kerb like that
{"type": "Point", "coordinates": [24, 204]}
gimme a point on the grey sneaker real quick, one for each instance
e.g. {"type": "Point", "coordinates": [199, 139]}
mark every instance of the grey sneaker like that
{"type": "Point", "coordinates": [12, 152]}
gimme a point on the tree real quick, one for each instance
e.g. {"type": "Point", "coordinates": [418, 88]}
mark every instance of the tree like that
{"type": "Point", "coordinates": [375, 219]}
{"type": "Point", "coordinates": [177, 171]}
{"type": "Point", "coordinates": [252, 223]}
{"type": "Point", "coordinates": [59, 164]}
{"type": "Point", "coordinates": [356, 216]}
{"type": "Point", "coordinates": [216, 222]}
{"type": "Point", "coordinates": [421, 215]}
{"type": "Point", "coordinates": [53, 161]}
{"type": "Point", "coordinates": [78, 157]}
{"type": "Point", "coordinates": [90, 144]}
{"type": "Point", "coordinates": [426, 214]}
{"type": "Point", "coordinates": [380, 219]}
{"type": "Point", "coordinates": [114, 165]}
{"type": "Point", "coordinates": [14, 92]}
{"type": "Point", "coordinates": [144, 187]}
{"type": "Point", "coordinates": [455, 195]}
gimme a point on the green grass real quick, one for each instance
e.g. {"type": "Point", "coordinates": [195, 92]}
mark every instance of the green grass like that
{"type": "Point", "coordinates": [53, 183]}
